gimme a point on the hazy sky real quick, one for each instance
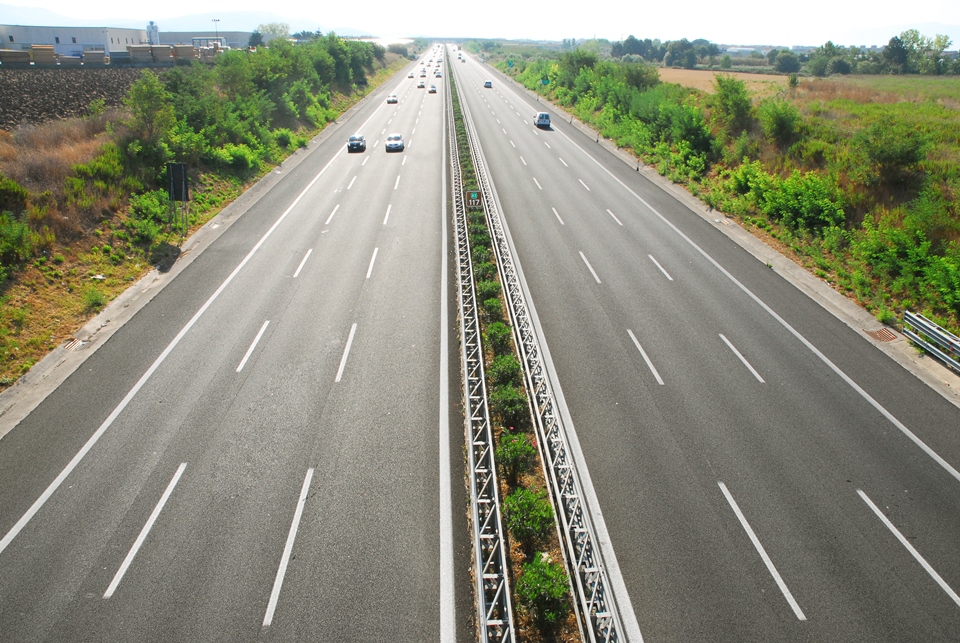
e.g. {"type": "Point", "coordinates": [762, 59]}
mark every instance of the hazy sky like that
{"type": "Point", "coordinates": [739, 22]}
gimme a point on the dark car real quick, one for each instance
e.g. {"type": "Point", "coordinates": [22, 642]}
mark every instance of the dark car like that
{"type": "Point", "coordinates": [357, 143]}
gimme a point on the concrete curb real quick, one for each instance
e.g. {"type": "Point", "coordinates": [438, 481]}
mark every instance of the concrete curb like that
{"type": "Point", "coordinates": [927, 369]}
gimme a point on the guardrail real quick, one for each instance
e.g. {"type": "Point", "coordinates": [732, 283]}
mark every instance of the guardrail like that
{"type": "Point", "coordinates": [943, 345]}
{"type": "Point", "coordinates": [494, 609]}
{"type": "Point", "coordinates": [593, 599]}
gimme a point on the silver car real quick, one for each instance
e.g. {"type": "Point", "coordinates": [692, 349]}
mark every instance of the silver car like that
{"type": "Point", "coordinates": [394, 143]}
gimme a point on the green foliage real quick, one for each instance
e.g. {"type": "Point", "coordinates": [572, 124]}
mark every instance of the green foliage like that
{"type": "Point", "coordinates": [17, 241]}
{"type": "Point", "coordinates": [528, 515]}
{"type": "Point", "coordinates": [493, 308]}
{"type": "Point", "coordinates": [779, 120]}
{"type": "Point", "coordinates": [510, 405]}
{"type": "Point", "coordinates": [151, 108]}
{"type": "Point", "coordinates": [148, 213]}
{"type": "Point", "coordinates": [487, 289]}
{"type": "Point", "coordinates": [515, 455]}
{"type": "Point", "coordinates": [13, 196]}
{"type": "Point", "coordinates": [893, 149]}
{"type": "Point", "coordinates": [730, 103]}
{"type": "Point", "coordinates": [505, 371]}
{"type": "Point", "coordinates": [543, 590]}
{"type": "Point", "coordinates": [94, 299]}
{"type": "Point", "coordinates": [499, 338]}
{"type": "Point", "coordinates": [786, 62]}
{"type": "Point", "coordinates": [726, 62]}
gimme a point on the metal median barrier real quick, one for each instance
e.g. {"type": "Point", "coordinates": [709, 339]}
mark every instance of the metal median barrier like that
{"type": "Point", "coordinates": [494, 610]}
{"type": "Point", "coordinates": [593, 598]}
{"type": "Point", "coordinates": [936, 341]}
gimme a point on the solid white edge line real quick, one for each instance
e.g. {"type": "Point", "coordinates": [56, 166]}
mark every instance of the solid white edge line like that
{"type": "Point", "coordinates": [592, 272]}
{"type": "Point", "coordinates": [657, 264]}
{"type": "Point", "coordinates": [448, 604]}
{"type": "Point", "coordinates": [793, 331]}
{"type": "Point", "coordinates": [302, 263]}
{"type": "Point", "coordinates": [346, 352]}
{"type": "Point", "coordinates": [387, 216]}
{"type": "Point", "coordinates": [763, 553]}
{"type": "Point", "coordinates": [650, 365]}
{"type": "Point", "coordinates": [615, 218]}
{"type": "Point", "coordinates": [913, 552]}
{"type": "Point", "coordinates": [742, 358]}
{"type": "Point", "coordinates": [256, 339]}
{"type": "Point", "coordinates": [372, 260]}
{"type": "Point", "coordinates": [558, 216]}
{"type": "Point", "coordinates": [537, 182]}
{"type": "Point", "coordinates": [144, 532]}
{"type": "Point", "coordinates": [67, 470]}
{"type": "Point", "coordinates": [330, 218]}
{"type": "Point", "coordinates": [287, 550]}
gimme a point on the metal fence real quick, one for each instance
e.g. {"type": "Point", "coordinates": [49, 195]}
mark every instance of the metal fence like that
{"type": "Point", "coordinates": [932, 338]}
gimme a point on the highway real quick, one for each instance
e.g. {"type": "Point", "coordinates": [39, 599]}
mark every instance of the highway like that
{"type": "Point", "coordinates": [764, 473]}
{"type": "Point", "coordinates": [272, 448]}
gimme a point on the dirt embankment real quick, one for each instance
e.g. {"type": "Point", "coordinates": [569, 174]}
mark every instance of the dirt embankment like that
{"type": "Point", "coordinates": [38, 95]}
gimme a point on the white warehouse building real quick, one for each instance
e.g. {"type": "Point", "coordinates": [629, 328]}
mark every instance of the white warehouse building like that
{"type": "Point", "coordinates": [73, 41]}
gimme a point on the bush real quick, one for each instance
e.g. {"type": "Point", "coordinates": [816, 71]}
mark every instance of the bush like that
{"type": "Point", "coordinates": [13, 196]}
{"type": "Point", "coordinates": [731, 103]}
{"type": "Point", "coordinates": [543, 590]}
{"type": "Point", "coordinates": [528, 515]}
{"type": "Point", "coordinates": [17, 240]}
{"type": "Point", "coordinates": [893, 149]}
{"type": "Point", "coordinates": [515, 455]}
{"type": "Point", "coordinates": [505, 370]}
{"type": "Point", "coordinates": [487, 289]}
{"type": "Point", "coordinates": [510, 405]}
{"type": "Point", "coordinates": [493, 308]}
{"type": "Point", "coordinates": [779, 120]}
{"type": "Point", "coordinates": [94, 299]}
{"type": "Point", "coordinates": [499, 338]}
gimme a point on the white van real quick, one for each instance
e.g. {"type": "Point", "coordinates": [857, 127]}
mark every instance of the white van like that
{"type": "Point", "coordinates": [542, 119]}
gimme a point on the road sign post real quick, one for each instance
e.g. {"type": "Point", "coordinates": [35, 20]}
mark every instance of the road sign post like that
{"type": "Point", "coordinates": [472, 199]}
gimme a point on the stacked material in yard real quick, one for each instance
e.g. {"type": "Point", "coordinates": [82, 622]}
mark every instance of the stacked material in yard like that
{"type": "Point", "coordinates": [140, 53]}
{"type": "Point", "coordinates": [14, 56]}
{"type": "Point", "coordinates": [43, 55]}
{"type": "Point", "coordinates": [93, 57]}
{"type": "Point", "coordinates": [70, 61]}
{"type": "Point", "coordinates": [161, 53]}
{"type": "Point", "coordinates": [184, 52]}
{"type": "Point", "coordinates": [208, 54]}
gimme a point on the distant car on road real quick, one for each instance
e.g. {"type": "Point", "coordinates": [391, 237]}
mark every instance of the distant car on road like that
{"type": "Point", "coordinates": [433, 89]}
{"type": "Point", "coordinates": [394, 143]}
{"type": "Point", "coordinates": [392, 98]}
{"type": "Point", "coordinates": [421, 85]}
{"type": "Point", "coordinates": [542, 119]}
{"type": "Point", "coordinates": [487, 84]}
{"type": "Point", "coordinates": [410, 75]}
{"type": "Point", "coordinates": [356, 143]}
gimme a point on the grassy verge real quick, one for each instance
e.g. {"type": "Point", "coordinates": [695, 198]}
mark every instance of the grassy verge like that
{"type": "Point", "coordinates": [62, 270]}
{"type": "Point", "coordinates": [541, 596]}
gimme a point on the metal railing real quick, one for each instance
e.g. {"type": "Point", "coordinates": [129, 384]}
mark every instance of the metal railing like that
{"type": "Point", "coordinates": [594, 602]}
{"type": "Point", "coordinates": [494, 609]}
{"type": "Point", "coordinates": [943, 345]}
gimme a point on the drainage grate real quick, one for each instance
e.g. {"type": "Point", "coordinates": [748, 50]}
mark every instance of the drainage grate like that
{"type": "Point", "coordinates": [882, 335]}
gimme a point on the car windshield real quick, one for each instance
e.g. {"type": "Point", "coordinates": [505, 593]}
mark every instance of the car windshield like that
{"type": "Point", "coordinates": [356, 138]}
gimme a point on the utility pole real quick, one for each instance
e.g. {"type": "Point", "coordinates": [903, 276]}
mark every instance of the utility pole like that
{"type": "Point", "coordinates": [216, 30]}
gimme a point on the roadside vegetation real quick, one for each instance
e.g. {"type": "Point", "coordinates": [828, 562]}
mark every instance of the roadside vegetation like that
{"type": "Point", "coordinates": [84, 209]}
{"type": "Point", "coordinates": [541, 593]}
{"type": "Point", "coordinates": [856, 177]}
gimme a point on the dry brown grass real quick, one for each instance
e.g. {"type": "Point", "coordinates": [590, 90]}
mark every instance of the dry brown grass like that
{"type": "Point", "coordinates": [39, 157]}
{"type": "Point", "coordinates": [760, 85]}
{"type": "Point", "coordinates": [825, 89]}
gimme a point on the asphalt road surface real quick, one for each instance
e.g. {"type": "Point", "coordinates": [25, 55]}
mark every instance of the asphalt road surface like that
{"type": "Point", "coordinates": [271, 449]}
{"type": "Point", "coordinates": [764, 473]}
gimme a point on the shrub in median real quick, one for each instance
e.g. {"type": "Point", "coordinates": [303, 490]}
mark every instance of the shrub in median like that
{"type": "Point", "coordinates": [543, 590]}
{"type": "Point", "coordinates": [510, 405]}
{"type": "Point", "coordinates": [498, 338]}
{"type": "Point", "coordinates": [528, 515]}
{"type": "Point", "coordinates": [515, 455]}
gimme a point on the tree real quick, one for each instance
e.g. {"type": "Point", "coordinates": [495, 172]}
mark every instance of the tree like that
{"type": "Point", "coordinates": [895, 54]}
{"type": "Point", "coordinates": [893, 149]}
{"type": "Point", "coordinates": [730, 103]}
{"type": "Point", "coordinates": [256, 39]}
{"type": "Point", "coordinates": [787, 62]}
{"type": "Point", "coordinates": [838, 65]}
{"type": "Point", "coordinates": [726, 62]}
{"type": "Point", "coordinates": [772, 55]}
{"type": "Point", "coordinates": [152, 116]}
